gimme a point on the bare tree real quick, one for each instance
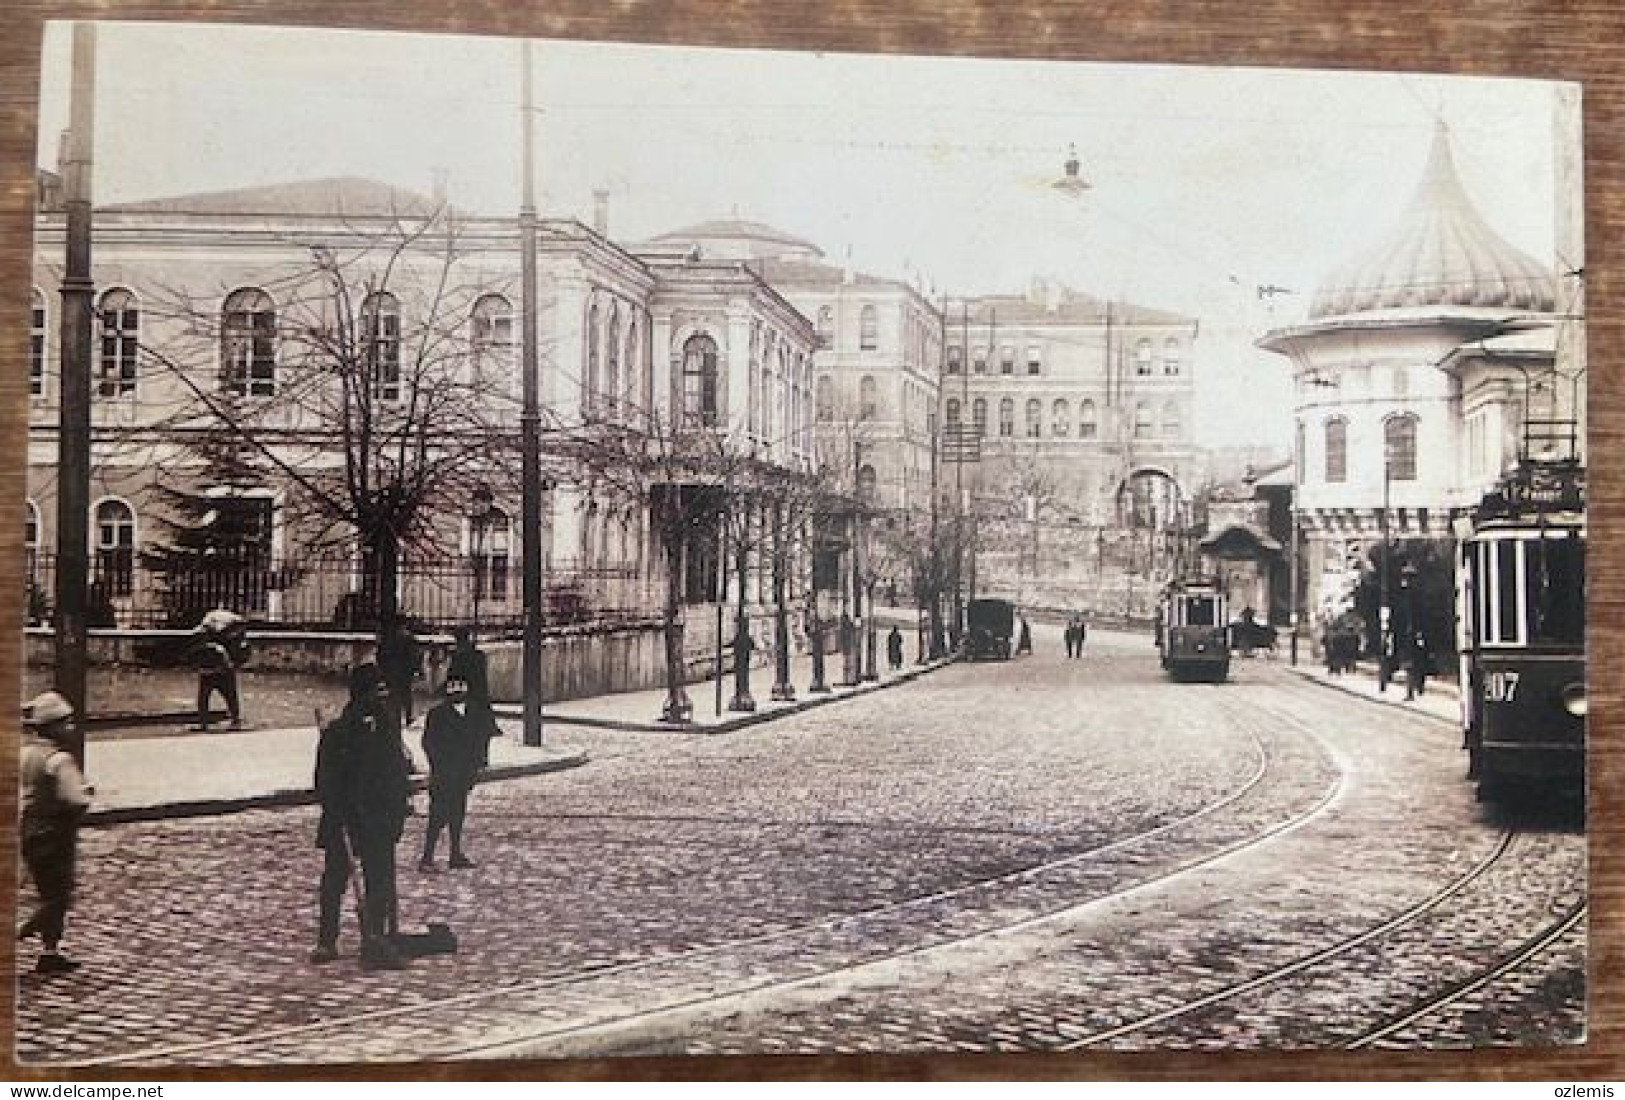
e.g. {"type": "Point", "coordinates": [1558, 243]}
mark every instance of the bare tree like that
{"type": "Point", "coordinates": [370, 376]}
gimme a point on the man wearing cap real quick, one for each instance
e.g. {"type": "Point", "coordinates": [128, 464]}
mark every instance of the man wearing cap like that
{"type": "Point", "coordinates": [363, 781]}
{"type": "Point", "coordinates": [54, 801]}
{"type": "Point", "coordinates": [455, 735]}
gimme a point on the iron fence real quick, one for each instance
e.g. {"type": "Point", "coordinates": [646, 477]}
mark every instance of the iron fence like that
{"type": "Point", "coordinates": [334, 592]}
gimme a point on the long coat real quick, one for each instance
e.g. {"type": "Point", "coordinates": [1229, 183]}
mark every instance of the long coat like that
{"type": "Point", "coordinates": [363, 778]}
{"type": "Point", "coordinates": [455, 743]}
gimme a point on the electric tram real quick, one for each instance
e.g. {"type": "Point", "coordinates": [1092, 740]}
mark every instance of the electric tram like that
{"type": "Point", "coordinates": [1520, 613]}
{"type": "Point", "coordinates": [1192, 632]}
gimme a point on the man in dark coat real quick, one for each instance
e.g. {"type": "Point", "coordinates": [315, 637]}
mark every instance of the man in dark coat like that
{"type": "Point", "coordinates": [54, 799]}
{"type": "Point", "coordinates": [1071, 636]}
{"type": "Point", "coordinates": [1080, 637]}
{"type": "Point", "coordinates": [894, 649]}
{"type": "Point", "coordinates": [218, 653]}
{"type": "Point", "coordinates": [363, 781]}
{"type": "Point", "coordinates": [400, 660]}
{"type": "Point", "coordinates": [454, 740]}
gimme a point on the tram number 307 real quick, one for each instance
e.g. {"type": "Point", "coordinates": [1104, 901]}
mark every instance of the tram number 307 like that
{"type": "Point", "coordinates": [1500, 687]}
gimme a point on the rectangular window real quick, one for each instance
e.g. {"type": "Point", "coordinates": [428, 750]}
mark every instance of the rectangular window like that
{"type": "Point", "coordinates": [1007, 360]}
{"type": "Point", "coordinates": [1034, 361]}
{"type": "Point", "coordinates": [956, 358]}
{"type": "Point", "coordinates": [36, 351]}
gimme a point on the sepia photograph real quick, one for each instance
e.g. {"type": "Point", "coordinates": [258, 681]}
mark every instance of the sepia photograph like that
{"type": "Point", "coordinates": [543, 548]}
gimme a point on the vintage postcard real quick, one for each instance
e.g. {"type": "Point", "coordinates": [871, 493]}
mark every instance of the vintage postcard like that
{"type": "Point", "coordinates": [545, 549]}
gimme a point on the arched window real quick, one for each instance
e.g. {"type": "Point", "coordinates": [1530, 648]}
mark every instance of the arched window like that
{"type": "Point", "coordinates": [978, 414]}
{"type": "Point", "coordinates": [589, 375]}
{"type": "Point", "coordinates": [612, 359]}
{"type": "Point", "coordinates": [1086, 420]}
{"type": "Point", "coordinates": [700, 381]}
{"type": "Point", "coordinates": [1171, 426]}
{"type": "Point", "coordinates": [1337, 450]}
{"type": "Point", "coordinates": [1170, 356]}
{"type": "Point", "coordinates": [248, 344]}
{"type": "Point", "coordinates": [493, 343]}
{"type": "Point", "coordinates": [120, 330]}
{"type": "Point", "coordinates": [1035, 417]}
{"type": "Point", "coordinates": [956, 359]}
{"type": "Point", "coordinates": [826, 327]}
{"type": "Point", "coordinates": [1060, 419]}
{"type": "Point", "coordinates": [1007, 418]}
{"type": "Point", "coordinates": [1142, 421]}
{"type": "Point", "coordinates": [115, 547]}
{"type": "Point", "coordinates": [869, 329]}
{"type": "Point", "coordinates": [1399, 446]}
{"type": "Point", "coordinates": [952, 411]}
{"type": "Point", "coordinates": [1142, 358]}
{"type": "Point", "coordinates": [824, 399]}
{"type": "Point", "coordinates": [381, 348]}
{"type": "Point", "coordinates": [490, 547]}
{"type": "Point", "coordinates": [866, 483]}
{"type": "Point", "coordinates": [868, 398]}
{"type": "Point", "coordinates": [36, 345]}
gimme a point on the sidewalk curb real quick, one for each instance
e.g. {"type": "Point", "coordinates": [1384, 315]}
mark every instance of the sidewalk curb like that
{"type": "Point", "coordinates": [213, 807]}
{"type": "Point", "coordinates": [1303, 674]}
{"type": "Point", "coordinates": [746, 719]}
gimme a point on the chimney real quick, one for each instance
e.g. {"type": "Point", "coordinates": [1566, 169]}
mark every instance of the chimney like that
{"type": "Point", "coordinates": [600, 211]}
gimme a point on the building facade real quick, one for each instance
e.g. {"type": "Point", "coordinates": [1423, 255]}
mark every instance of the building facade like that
{"type": "Point", "coordinates": [262, 308]}
{"type": "Point", "coordinates": [1423, 371]}
{"type": "Point", "coordinates": [1083, 467]}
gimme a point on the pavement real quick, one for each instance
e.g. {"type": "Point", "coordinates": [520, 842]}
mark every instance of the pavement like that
{"type": "Point", "coordinates": [199, 773]}
{"type": "Point", "coordinates": [1440, 699]}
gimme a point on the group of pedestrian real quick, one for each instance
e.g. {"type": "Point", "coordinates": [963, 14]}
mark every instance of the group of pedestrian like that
{"type": "Point", "coordinates": [363, 783]}
{"type": "Point", "coordinates": [1077, 629]}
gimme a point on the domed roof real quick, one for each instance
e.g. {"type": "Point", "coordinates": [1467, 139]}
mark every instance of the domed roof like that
{"type": "Point", "coordinates": [1442, 253]}
{"type": "Point", "coordinates": [748, 239]}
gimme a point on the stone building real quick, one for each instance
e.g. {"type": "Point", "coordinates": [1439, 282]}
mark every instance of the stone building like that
{"type": "Point", "coordinates": [1086, 464]}
{"type": "Point", "coordinates": [228, 304]}
{"type": "Point", "coordinates": [1423, 370]}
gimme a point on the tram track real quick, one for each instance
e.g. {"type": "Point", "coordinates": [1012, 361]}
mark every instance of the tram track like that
{"type": "Point", "coordinates": [938, 914]}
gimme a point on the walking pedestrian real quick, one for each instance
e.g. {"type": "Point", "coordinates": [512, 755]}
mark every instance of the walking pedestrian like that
{"type": "Point", "coordinates": [1024, 637]}
{"type": "Point", "coordinates": [219, 649]}
{"type": "Point", "coordinates": [468, 664]}
{"type": "Point", "coordinates": [364, 787]}
{"type": "Point", "coordinates": [894, 648]}
{"type": "Point", "coordinates": [1083, 634]}
{"type": "Point", "coordinates": [1069, 635]}
{"type": "Point", "coordinates": [400, 659]}
{"type": "Point", "coordinates": [54, 799]}
{"type": "Point", "coordinates": [455, 735]}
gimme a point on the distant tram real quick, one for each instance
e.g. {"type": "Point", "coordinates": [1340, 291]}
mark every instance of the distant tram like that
{"type": "Point", "coordinates": [1192, 631]}
{"type": "Point", "coordinates": [1520, 612]}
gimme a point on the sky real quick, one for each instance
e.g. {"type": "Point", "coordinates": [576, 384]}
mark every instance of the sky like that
{"type": "Point", "coordinates": [1206, 182]}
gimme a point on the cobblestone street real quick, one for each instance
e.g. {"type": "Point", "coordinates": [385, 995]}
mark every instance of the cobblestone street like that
{"type": "Point", "coordinates": [1041, 854]}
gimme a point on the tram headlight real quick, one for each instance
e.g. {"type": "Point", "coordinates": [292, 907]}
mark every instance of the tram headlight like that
{"type": "Point", "coordinates": [1574, 699]}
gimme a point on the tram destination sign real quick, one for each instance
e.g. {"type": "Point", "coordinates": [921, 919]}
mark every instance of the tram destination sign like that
{"type": "Point", "coordinates": [1536, 488]}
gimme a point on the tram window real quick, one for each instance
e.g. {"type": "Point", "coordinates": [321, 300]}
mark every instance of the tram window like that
{"type": "Point", "coordinates": [1556, 570]}
{"type": "Point", "coordinates": [1199, 613]}
{"type": "Point", "coordinates": [1506, 592]}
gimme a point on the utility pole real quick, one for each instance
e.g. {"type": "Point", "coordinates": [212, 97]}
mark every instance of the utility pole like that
{"type": "Point", "coordinates": [530, 437]}
{"type": "Point", "coordinates": [73, 431]}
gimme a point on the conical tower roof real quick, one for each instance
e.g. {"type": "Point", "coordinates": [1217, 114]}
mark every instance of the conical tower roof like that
{"type": "Point", "coordinates": [1442, 253]}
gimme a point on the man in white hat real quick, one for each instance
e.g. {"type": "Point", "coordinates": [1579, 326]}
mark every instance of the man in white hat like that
{"type": "Point", "coordinates": [54, 799]}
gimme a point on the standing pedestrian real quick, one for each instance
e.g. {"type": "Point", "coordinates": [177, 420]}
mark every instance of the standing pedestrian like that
{"type": "Point", "coordinates": [54, 799]}
{"type": "Point", "coordinates": [400, 659]}
{"type": "Point", "coordinates": [1024, 637]}
{"type": "Point", "coordinates": [894, 649]}
{"type": "Point", "coordinates": [1083, 634]}
{"type": "Point", "coordinates": [1418, 663]}
{"type": "Point", "coordinates": [363, 784]}
{"type": "Point", "coordinates": [219, 649]}
{"type": "Point", "coordinates": [454, 740]}
{"type": "Point", "coordinates": [1070, 636]}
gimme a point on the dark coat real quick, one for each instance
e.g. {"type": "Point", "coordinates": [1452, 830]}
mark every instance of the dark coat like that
{"type": "Point", "coordinates": [894, 647]}
{"type": "Point", "coordinates": [469, 665]}
{"type": "Point", "coordinates": [363, 778]}
{"type": "Point", "coordinates": [455, 743]}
